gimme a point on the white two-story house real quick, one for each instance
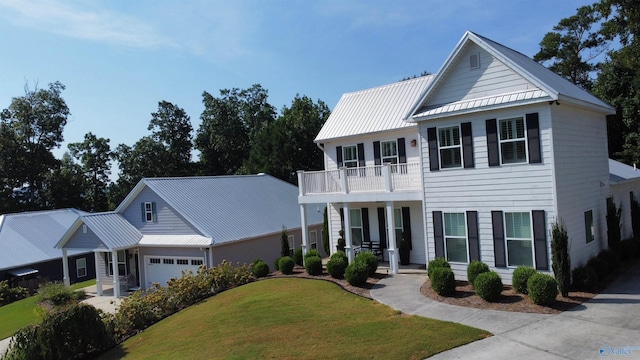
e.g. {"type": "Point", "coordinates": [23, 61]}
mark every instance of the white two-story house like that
{"type": "Point", "coordinates": [475, 162]}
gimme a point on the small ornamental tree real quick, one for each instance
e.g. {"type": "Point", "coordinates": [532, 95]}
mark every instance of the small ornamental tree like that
{"type": "Point", "coordinates": [325, 232]}
{"type": "Point", "coordinates": [284, 240]}
{"type": "Point", "coordinates": [560, 259]}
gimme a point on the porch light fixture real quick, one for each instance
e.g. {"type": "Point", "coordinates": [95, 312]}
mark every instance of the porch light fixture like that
{"type": "Point", "coordinates": [413, 143]}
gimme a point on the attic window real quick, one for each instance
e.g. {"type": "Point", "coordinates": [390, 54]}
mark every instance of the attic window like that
{"type": "Point", "coordinates": [474, 61]}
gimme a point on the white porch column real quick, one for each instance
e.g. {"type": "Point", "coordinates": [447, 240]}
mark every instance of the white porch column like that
{"type": "Point", "coordinates": [116, 274]}
{"type": "Point", "coordinates": [391, 235]}
{"type": "Point", "coordinates": [98, 273]}
{"type": "Point", "coordinates": [211, 257]}
{"type": "Point", "coordinates": [303, 228]}
{"type": "Point", "coordinates": [347, 233]}
{"type": "Point", "coordinates": [300, 182]}
{"type": "Point", "coordinates": [65, 268]}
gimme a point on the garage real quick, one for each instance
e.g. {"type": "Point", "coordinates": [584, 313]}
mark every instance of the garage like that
{"type": "Point", "coordinates": [159, 269]}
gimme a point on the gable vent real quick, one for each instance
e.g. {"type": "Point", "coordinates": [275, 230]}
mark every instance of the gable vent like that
{"type": "Point", "coordinates": [474, 61]}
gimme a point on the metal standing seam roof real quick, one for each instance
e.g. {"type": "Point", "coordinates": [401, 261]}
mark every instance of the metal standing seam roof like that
{"type": "Point", "coordinates": [373, 110]}
{"type": "Point", "coordinates": [174, 240]}
{"type": "Point", "coordinates": [548, 83]}
{"type": "Point", "coordinates": [620, 173]}
{"type": "Point", "coordinates": [30, 237]}
{"type": "Point", "coordinates": [112, 229]}
{"type": "Point", "coordinates": [230, 208]}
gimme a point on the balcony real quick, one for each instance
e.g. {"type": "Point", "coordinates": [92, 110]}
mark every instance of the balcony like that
{"type": "Point", "coordinates": [388, 178]}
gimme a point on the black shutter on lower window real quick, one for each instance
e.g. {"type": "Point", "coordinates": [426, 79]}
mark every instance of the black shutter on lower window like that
{"type": "Point", "coordinates": [540, 240]}
{"type": "Point", "coordinates": [361, 161]}
{"type": "Point", "coordinates": [467, 145]}
{"type": "Point", "coordinates": [339, 156]}
{"type": "Point", "coordinates": [406, 225]}
{"type": "Point", "coordinates": [377, 160]}
{"type": "Point", "coordinates": [366, 233]}
{"type": "Point", "coordinates": [432, 139]}
{"type": "Point", "coordinates": [533, 138]}
{"type": "Point", "coordinates": [402, 151]}
{"type": "Point", "coordinates": [492, 142]}
{"type": "Point", "coordinates": [382, 229]}
{"type": "Point", "coordinates": [498, 239]}
{"type": "Point", "coordinates": [438, 233]}
{"type": "Point", "coordinates": [474, 241]}
{"type": "Point", "coordinates": [342, 218]}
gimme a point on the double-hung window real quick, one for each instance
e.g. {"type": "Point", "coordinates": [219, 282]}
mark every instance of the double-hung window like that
{"type": "Point", "coordinates": [313, 239]}
{"type": "Point", "coordinates": [455, 234]}
{"type": "Point", "coordinates": [292, 244]}
{"type": "Point", "coordinates": [389, 152]}
{"type": "Point", "coordinates": [450, 147]}
{"type": "Point", "coordinates": [519, 238]}
{"type": "Point", "coordinates": [356, 227]}
{"type": "Point", "coordinates": [121, 263]}
{"type": "Point", "coordinates": [81, 267]}
{"type": "Point", "coordinates": [512, 140]}
{"type": "Point", "coordinates": [148, 211]}
{"type": "Point", "coordinates": [350, 159]}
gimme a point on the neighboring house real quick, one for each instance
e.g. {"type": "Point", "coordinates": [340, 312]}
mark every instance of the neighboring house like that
{"type": "Point", "coordinates": [168, 225]}
{"type": "Point", "coordinates": [27, 248]}
{"type": "Point", "coordinates": [476, 162]}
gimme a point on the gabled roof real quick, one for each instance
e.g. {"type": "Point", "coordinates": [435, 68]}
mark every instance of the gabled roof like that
{"type": "Point", "coordinates": [111, 228]}
{"type": "Point", "coordinates": [229, 208]}
{"type": "Point", "coordinates": [30, 237]}
{"type": "Point", "coordinates": [620, 173]}
{"type": "Point", "coordinates": [548, 86]}
{"type": "Point", "coordinates": [373, 110]}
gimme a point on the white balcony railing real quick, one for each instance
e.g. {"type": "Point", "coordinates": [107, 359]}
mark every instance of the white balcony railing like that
{"type": "Point", "coordinates": [378, 178]}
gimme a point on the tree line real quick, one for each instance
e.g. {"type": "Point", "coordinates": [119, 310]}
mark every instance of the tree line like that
{"type": "Point", "coordinates": [240, 133]}
{"type": "Point", "coordinates": [598, 49]}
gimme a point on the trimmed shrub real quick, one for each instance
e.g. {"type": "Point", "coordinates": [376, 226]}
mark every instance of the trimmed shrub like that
{"type": "Point", "coordinates": [336, 267]}
{"type": "Point", "coordinates": [11, 294]}
{"type": "Point", "coordinates": [488, 286]}
{"type": "Point", "coordinates": [437, 263]}
{"type": "Point", "coordinates": [368, 259]}
{"type": "Point", "coordinates": [600, 266]}
{"type": "Point", "coordinates": [542, 289]}
{"type": "Point", "coordinates": [312, 252]}
{"type": "Point", "coordinates": [313, 264]}
{"type": "Point", "coordinates": [286, 265]}
{"type": "Point", "coordinates": [342, 255]}
{"type": "Point", "coordinates": [476, 268]}
{"type": "Point", "coordinates": [520, 277]}
{"type": "Point", "coordinates": [584, 278]}
{"type": "Point", "coordinates": [629, 249]}
{"type": "Point", "coordinates": [443, 281]}
{"type": "Point", "coordinates": [356, 273]}
{"type": "Point", "coordinates": [297, 256]}
{"type": "Point", "coordinates": [276, 263]}
{"type": "Point", "coordinates": [560, 259]}
{"type": "Point", "coordinates": [259, 268]}
{"type": "Point", "coordinates": [612, 258]}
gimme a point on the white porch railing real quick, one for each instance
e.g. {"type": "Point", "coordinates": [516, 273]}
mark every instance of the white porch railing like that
{"type": "Point", "coordinates": [378, 178]}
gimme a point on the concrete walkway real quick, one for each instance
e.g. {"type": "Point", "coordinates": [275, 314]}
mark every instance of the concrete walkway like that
{"type": "Point", "coordinates": [603, 326]}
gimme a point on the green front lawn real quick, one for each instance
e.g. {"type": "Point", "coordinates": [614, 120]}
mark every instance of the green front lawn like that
{"type": "Point", "coordinates": [25, 312]}
{"type": "Point", "coordinates": [289, 318]}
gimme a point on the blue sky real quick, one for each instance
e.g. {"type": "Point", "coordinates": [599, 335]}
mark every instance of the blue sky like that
{"type": "Point", "coordinates": [118, 58]}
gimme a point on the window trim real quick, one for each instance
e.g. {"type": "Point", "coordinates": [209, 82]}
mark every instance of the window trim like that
{"type": "Point", "coordinates": [344, 157]}
{"type": "Point", "coordinates": [123, 262]}
{"type": "Point", "coordinates": [446, 236]}
{"type": "Point", "coordinates": [78, 267]}
{"type": "Point", "coordinates": [591, 229]}
{"type": "Point", "coordinates": [148, 211]}
{"type": "Point", "coordinates": [523, 139]}
{"type": "Point", "coordinates": [507, 238]}
{"type": "Point", "coordinates": [385, 159]}
{"type": "Point", "coordinates": [291, 239]}
{"type": "Point", "coordinates": [313, 239]}
{"type": "Point", "coordinates": [458, 146]}
{"type": "Point", "coordinates": [352, 227]}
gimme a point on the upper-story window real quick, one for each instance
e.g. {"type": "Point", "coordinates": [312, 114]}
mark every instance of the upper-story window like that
{"type": "Point", "coordinates": [389, 152]}
{"type": "Point", "coordinates": [450, 147]}
{"type": "Point", "coordinates": [512, 140]}
{"type": "Point", "coordinates": [350, 156]}
{"type": "Point", "coordinates": [148, 212]}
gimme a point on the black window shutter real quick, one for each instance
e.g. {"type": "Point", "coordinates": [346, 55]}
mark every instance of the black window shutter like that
{"type": "Point", "coordinates": [127, 263]}
{"type": "Point", "coordinates": [154, 214]}
{"type": "Point", "coordinates": [376, 153]}
{"type": "Point", "coordinates": [467, 145]}
{"type": "Point", "coordinates": [342, 218]}
{"type": "Point", "coordinates": [432, 139]}
{"type": "Point", "coordinates": [533, 138]}
{"type": "Point", "coordinates": [402, 151]}
{"type": "Point", "coordinates": [498, 239]}
{"type": "Point", "coordinates": [361, 161]}
{"type": "Point", "coordinates": [472, 231]}
{"type": "Point", "coordinates": [406, 225]}
{"type": "Point", "coordinates": [339, 156]}
{"type": "Point", "coordinates": [365, 225]}
{"type": "Point", "coordinates": [540, 239]}
{"type": "Point", "coordinates": [492, 142]}
{"type": "Point", "coordinates": [143, 211]}
{"type": "Point", "coordinates": [438, 233]}
{"type": "Point", "coordinates": [382, 229]}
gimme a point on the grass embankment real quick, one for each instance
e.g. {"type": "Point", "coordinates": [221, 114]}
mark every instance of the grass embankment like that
{"type": "Point", "coordinates": [293, 319]}
{"type": "Point", "coordinates": [25, 312]}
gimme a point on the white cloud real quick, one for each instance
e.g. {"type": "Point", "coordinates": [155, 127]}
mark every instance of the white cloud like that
{"type": "Point", "coordinates": [77, 21]}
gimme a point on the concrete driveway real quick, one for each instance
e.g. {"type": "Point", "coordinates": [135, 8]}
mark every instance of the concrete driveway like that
{"type": "Point", "coordinates": [606, 326]}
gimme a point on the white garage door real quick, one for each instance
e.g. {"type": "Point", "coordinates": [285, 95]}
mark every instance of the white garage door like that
{"type": "Point", "coordinates": [159, 269]}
